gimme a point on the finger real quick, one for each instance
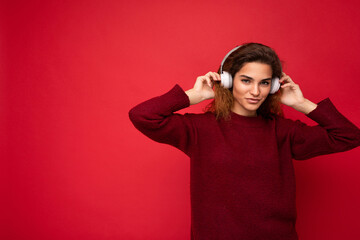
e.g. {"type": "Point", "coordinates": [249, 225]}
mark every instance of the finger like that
{"type": "Point", "coordinates": [212, 75]}
{"type": "Point", "coordinates": [216, 76]}
{"type": "Point", "coordinates": [283, 75]}
{"type": "Point", "coordinates": [208, 81]}
{"type": "Point", "coordinates": [219, 76]}
{"type": "Point", "coordinates": [289, 80]}
{"type": "Point", "coordinates": [209, 74]}
{"type": "Point", "coordinates": [286, 79]}
{"type": "Point", "coordinates": [286, 85]}
{"type": "Point", "coordinates": [291, 86]}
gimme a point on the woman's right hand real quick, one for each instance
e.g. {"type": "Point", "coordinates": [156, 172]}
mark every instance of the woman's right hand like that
{"type": "Point", "coordinates": [203, 88]}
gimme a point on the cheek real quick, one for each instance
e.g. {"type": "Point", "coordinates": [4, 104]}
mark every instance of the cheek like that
{"type": "Point", "coordinates": [239, 89]}
{"type": "Point", "coordinates": [266, 92]}
{"type": "Point", "coordinates": [237, 93]}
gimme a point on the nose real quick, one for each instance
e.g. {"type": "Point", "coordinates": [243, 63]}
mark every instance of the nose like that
{"type": "Point", "coordinates": [255, 91]}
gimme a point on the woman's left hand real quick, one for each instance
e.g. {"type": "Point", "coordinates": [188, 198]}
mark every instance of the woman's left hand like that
{"type": "Point", "coordinates": [291, 94]}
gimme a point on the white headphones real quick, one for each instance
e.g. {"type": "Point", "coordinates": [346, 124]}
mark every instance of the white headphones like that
{"type": "Point", "coordinates": [227, 81]}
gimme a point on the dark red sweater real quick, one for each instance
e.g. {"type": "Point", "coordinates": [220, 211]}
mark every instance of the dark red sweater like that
{"type": "Point", "coordinates": [242, 181]}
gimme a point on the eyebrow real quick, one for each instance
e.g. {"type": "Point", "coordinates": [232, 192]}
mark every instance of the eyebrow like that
{"type": "Point", "coordinates": [252, 78]}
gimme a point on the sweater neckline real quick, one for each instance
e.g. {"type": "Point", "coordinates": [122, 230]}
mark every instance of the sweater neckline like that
{"type": "Point", "coordinates": [257, 121]}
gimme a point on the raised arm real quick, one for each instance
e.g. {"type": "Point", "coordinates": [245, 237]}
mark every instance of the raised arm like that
{"type": "Point", "coordinates": [203, 88]}
{"type": "Point", "coordinates": [334, 132]}
{"type": "Point", "coordinates": [156, 118]}
{"type": "Point", "coordinates": [292, 96]}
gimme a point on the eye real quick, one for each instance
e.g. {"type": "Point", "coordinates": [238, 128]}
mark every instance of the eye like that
{"type": "Point", "coordinates": [265, 83]}
{"type": "Point", "coordinates": [245, 81]}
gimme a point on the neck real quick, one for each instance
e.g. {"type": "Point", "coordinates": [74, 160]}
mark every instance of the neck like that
{"type": "Point", "coordinates": [244, 113]}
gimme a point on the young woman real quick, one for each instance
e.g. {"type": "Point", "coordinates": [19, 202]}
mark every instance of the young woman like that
{"type": "Point", "coordinates": [242, 181]}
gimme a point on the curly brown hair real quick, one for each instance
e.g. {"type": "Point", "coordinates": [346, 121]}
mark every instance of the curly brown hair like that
{"type": "Point", "coordinates": [248, 52]}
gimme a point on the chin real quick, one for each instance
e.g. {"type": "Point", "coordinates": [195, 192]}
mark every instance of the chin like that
{"type": "Point", "coordinates": [253, 107]}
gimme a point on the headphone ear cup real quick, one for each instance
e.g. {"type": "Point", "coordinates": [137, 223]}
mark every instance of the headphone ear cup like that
{"type": "Point", "coordinates": [226, 80]}
{"type": "Point", "coordinates": [275, 85]}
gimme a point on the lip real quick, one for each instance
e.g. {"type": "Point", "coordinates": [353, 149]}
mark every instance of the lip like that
{"type": "Point", "coordinates": [253, 100]}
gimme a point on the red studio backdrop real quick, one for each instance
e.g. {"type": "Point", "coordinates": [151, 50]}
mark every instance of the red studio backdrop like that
{"type": "Point", "coordinates": [72, 164]}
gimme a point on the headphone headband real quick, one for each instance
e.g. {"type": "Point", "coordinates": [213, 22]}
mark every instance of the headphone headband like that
{"type": "Point", "coordinates": [222, 63]}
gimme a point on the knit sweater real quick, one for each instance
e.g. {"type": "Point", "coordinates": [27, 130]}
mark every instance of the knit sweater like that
{"type": "Point", "coordinates": [242, 182]}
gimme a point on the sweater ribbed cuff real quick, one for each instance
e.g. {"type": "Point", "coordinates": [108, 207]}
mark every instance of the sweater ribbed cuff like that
{"type": "Point", "coordinates": [176, 98]}
{"type": "Point", "coordinates": [326, 113]}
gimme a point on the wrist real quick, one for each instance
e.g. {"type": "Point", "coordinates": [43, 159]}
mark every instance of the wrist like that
{"type": "Point", "coordinates": [305, 106]}
{"type": "Point", "coordinates": [194, 96]}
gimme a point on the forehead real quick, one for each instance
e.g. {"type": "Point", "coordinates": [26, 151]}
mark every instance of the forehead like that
{"type": "Point", "coordinates": [253, 69]}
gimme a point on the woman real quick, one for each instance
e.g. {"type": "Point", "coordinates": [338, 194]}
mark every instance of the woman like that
{"type": "Point", "coordinates": [242, 181]}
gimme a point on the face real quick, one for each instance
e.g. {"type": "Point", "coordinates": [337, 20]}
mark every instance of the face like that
{"type": "Point", "coordinates": [251, 86]}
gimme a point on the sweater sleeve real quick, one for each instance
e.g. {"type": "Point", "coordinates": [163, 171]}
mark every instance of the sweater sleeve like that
{"type": "Point", "coordinates": [156, 119]}
{"type": "Point", "coordinates": [334, 133]}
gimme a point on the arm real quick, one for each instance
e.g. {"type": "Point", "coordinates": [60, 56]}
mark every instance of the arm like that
{"type": "Point", "coordinates": [334, 133]}
{"type": "Point", "coordinates": [202, 89]}
{"type": "Point", "coordinates": [156, 118]}
{"type": "Point", "coordinates": [292, 96]}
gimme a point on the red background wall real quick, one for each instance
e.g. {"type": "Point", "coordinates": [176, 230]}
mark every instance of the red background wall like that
{"type": "Point", "coordinates": [73, 166]}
